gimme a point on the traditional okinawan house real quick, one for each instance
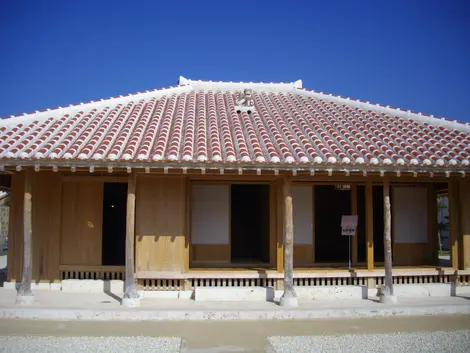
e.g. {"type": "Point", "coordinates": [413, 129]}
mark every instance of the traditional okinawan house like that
{"type": "Point", "coordinates": [210, 184]}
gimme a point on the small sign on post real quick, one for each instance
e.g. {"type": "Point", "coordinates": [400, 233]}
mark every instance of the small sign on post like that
{"type": "Point", "coordinates": [348, 228]}
{"type": "Point", "coordinates": [348, 225]}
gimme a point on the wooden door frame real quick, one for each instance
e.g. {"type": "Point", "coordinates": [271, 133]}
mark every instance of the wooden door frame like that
{"type": "Point", "coordinates": [233, 180]}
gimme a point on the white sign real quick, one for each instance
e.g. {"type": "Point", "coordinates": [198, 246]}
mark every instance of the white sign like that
{"type": "Point", "coordinates": [348, 225]}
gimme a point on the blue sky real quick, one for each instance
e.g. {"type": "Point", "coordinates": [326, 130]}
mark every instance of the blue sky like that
{"type": "Point", "coordinates": [409, 54]}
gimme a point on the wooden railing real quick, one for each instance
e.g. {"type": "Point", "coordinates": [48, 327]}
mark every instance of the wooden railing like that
{"type": "Point", "coordinates": [373, 281]}
{"type": "Point", "coordinates": [189, 281]}
{"type": "Point", "coordinates": [160, 284]}
{"type": "Point", "coordinates": [92, 272]}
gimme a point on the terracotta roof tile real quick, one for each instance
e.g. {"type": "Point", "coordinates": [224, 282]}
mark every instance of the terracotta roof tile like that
{"type": "Point", "coordinates": [199, 121]}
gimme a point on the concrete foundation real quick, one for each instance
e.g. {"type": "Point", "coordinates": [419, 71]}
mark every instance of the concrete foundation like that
{"type": "Point", "coordinates": [372, 292]}
{"type": "Point", "coordinates": [422, 290]}
{"type": "Point", "coordinates": [332, 292]}
{"type": "Point", "coordinates": [252, 293]}
{"type": "Point", "coordinates": [388, 299]}
{"type": "Point", "coordinates": [24, 299]}
{"type": "Point", "coordinates": [234, 294]}
{"type": "Point", "coordinates": [92, 286]}
{"type": "Point", "coordinates": [56, 286]}
{"type": "Point", "coordinates": [427, 290]}
{"type": "Point", "coordinates": [159, 294]}
{"type": "Point", "coordinates": [34, 286]}
{"type": "Point", "coordinates": [82, 286]}
{"type": "Point", "coordinates": [268, 293]}
{"type": "Point", "coordinates": [183, 294]}
{"type": "Point", "coordinates": [130, 302]}
{"type": "Point", "coordinates": [186, 294]}
{"type": "Point", "coordinates": [289, 302]}
{"type": "Point", "coordinates": [462, 291]}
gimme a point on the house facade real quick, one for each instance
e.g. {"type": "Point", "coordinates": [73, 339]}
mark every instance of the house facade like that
{"type": "Point", "coordinates": [203, 183]}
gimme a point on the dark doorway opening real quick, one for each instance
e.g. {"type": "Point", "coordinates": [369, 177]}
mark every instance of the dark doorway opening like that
{"type": "Point", "coordinates": [361, 223]}
{"type": "Point", "coordinates": [250, 223]}
{"type": "Point", "coordinates": [378, 203]}
{"type": "Point", "coordinates": [114, 224]}
{"type": "Point", "coordinates": [330, 204]}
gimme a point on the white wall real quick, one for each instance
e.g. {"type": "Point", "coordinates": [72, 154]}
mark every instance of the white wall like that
{"type": "Point", "coordinates": [410, 214]}
{"type": "Point", "coordinates": [303, 214]}
{"type": "Point", "coordinates": [210, 214]}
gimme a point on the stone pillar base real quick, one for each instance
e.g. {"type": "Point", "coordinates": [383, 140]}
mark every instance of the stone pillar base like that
{"type": "Point", "coordinates": [130, 302]}
{"type": "Point", "coordinates": [24, 299]}
{"type": "Point", "coordinates": [389, 299]}
{"type": "Point", "coordinates": [289, 302]}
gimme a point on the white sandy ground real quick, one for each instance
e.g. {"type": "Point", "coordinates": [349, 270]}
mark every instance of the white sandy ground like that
{"type": "Point", "coordinates": [50, 344]}
{"type": "Point", "coordinates": [439, 342]}
{"type": "Point", "coordinates": [225, 336]}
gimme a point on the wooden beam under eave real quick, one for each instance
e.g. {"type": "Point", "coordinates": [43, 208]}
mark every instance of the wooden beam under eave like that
{"type": "Point", "coordinates": [369, 226]}
{"type": "Point", "coordinates": [25, 295]}
{"type": "Point", "coordinates": [354, 213]}
{"type": "Point", "coordinates": [454, 223]}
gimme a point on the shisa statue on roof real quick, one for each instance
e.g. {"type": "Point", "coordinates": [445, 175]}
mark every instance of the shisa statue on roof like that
{"type": "Point", "coordinates": [246, 98]}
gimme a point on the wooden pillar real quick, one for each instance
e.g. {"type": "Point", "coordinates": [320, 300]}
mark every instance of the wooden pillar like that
{"type": "Point", "coordinates": [354, 213]}
{"type": "Point", "coordinates": [313, 225]}
{"type": "Point", "coordinates": [369, 226]}
{"type": "Point", "coordinates": [454, 223]}
{"type": "Point", "coordinates": [272, 224]}
{"type": "Point", "coordinates": [131, 297]}
{"type": "Point", "coordinates": [289, 298]}
{"type": "Point", "coordinates": [465, 222]}
{"type": "Point", "coordinates": [388, 289]}
{"type": "Point", "coordinates": [187, 240]}
{"type": "Point", "coordinates": [432, 225]}
{"type": "Point", "coordinates": [25, 295]}
{"type": "Point", "coordinates": [279, 227]}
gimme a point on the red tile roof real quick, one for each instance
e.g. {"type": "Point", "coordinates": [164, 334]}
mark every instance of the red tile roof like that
{"type": "Point", "coordinates": [199, 122]}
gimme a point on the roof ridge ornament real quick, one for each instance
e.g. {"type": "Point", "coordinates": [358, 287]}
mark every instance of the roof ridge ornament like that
{"type": "Point", "coordinates": [245, 99]}
{"type": "Point", "coordinates": [183, 81]}
{"type": "Point", "coordinates": [298, 84]}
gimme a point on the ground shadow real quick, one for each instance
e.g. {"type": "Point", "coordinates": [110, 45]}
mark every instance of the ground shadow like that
{"type": "Point", "coordinates": [107, 291]}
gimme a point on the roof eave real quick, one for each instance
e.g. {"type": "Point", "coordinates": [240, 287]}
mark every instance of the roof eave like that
{"type": "Point", "coordinates": [244, 166]}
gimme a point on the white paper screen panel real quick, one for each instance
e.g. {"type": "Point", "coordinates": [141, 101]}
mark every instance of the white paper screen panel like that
{"type": "Point", "coordinates": [210, 214]}
{"type": "Point", "coordinates": [410, 214]}
{"type": "Point", "coordinates": [303, 214]}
